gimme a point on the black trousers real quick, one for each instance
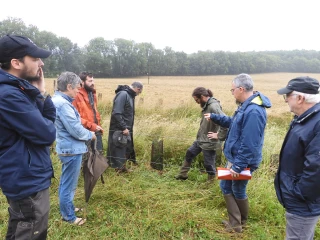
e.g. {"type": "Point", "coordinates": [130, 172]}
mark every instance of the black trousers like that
{"type": "Point", "coordinates": [209, 157]}
{"type": "Point", "coordinates": [28, 217]}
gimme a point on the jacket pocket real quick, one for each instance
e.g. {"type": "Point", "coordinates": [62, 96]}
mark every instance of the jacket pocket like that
{"type": "Point", "coordinates": [287, 183]}
{"type": "Point", "coordinates": [314, 207]}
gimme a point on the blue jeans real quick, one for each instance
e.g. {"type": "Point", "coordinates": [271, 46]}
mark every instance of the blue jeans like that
{"type": "Point", "coordinates": [71, 166]}
{"type": "Point", "coordinates": [236, 187]}
{"type": "Point", "coordinates": [299, 227]}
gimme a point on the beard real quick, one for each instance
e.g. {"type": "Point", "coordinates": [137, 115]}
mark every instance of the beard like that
{"type": "Point", "coordinates": [88, 88]}
{"type": "Point", "coordinates": [32, 79]}
{"type": "Point", "coordinates": [25, 75]}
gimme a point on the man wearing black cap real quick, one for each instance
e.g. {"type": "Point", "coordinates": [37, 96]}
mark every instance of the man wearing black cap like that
{"type": "Point", "coordinates": [27, 131]}
{"type": "Point", "coordinates": [297, 182]}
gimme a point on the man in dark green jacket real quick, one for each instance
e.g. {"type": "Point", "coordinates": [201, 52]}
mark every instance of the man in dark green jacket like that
{"type": "Point", "coordinates": [203, 144]}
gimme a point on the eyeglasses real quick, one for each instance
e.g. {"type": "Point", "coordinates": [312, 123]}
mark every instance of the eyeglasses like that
{"type": "Point", "coordinates": [286, 96]}
{"type": "Point", "coordinates": [197, 100]}
{"type": "Point", "coordinates": [232, 90]}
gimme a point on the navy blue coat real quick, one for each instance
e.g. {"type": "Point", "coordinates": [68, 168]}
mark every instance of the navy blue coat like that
{"type": "Point", "coordinates": [243, 146]}
{"type": "Point", "coordinates": [26, 132]}
{"type": "Point", "coordinates": [297, 182]}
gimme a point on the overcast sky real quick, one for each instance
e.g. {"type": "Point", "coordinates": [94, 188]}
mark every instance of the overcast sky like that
{"type": "Point", "coordinates": [184, 25]}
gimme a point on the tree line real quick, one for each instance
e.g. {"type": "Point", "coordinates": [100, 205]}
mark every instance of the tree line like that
{"type": "Point", "coordinates": [126, 58]}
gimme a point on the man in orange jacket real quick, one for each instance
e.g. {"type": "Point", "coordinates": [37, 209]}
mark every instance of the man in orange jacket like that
{"type": "Point", "coordinates": [86, 104]}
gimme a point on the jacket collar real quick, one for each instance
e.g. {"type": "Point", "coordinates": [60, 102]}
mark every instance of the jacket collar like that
{"type": "Point", "coordinates": [307, 114]}
{"type": "Point", "coordinates": [126, 88]}
{"type": "Point", "coordinates": [24, 85]}
{"type": "Point", "coordinates": [210, 100]}
{"type": "Point", "coordinates": [65, 96]}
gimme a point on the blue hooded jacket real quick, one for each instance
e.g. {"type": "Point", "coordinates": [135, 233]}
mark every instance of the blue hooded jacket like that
{"type": "Point", "coordinates": [27, 131]}
{"type": "Point", "coordinates": [243, 146]}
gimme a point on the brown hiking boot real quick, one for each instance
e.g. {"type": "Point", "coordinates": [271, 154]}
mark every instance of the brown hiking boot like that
{"type": "Point", "coordinates": [211, 178]}
{"type": "Point", "coordinates": [183, 174]}
{"type": "Point", "coordinates": [124, 169]}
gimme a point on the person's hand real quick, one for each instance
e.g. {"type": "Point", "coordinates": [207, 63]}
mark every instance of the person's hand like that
{"type": "Point", "coordinates": [40, 84]}
{"type": "Point", "coordinates": [212, 135]}
{"type": "Point", "coordinates": [125, 132]}
{"type": "Point", "coordinates": [234, 174]}
{"type": "Point", "coordinates": [207, 116]}
{"type": "Point", "coordinates": [94, 137]}
{"type": "Point", "coordinates": [98, 128]}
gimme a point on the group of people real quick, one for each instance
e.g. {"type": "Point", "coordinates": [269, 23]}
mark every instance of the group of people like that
{"type": "Point", "coordinates": [297, 182]}
{"type": "Point", "coordinates": [243, 134]}
{"type": "Point", "coordinates": [78, 125]}
{"type": "Point", "coordinates": [31, 121]}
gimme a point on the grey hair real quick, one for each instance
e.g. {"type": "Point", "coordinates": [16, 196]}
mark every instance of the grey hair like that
{"type": "Point", "coordinates": [245, 81]}
{"type": "Point", "coordinates": [67, 78]}
{"type": "Point", "coordinates": [309, 98]}
{"type": "Point", "coordinates": [137, 85]}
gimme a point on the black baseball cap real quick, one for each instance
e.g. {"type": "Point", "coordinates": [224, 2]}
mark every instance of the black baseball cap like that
{"type": "Point", "coordinates": [301, 84]}
{"type": "Point", "coordinates": [13, 46]}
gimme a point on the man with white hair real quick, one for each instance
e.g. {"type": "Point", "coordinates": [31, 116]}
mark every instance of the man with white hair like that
{"type": "Point", "coordinates": [297, 182]}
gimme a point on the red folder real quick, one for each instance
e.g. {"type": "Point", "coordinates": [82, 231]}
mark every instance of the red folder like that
{"type": "Point", "coordinates": [224, 174]}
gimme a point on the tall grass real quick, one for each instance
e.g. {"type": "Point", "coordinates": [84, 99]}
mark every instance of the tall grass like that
{"type": "Point", "coordinates": [148, 204]}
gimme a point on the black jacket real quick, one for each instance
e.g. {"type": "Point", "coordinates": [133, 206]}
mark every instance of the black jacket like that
{"type": "Point", "coordinates": [297, 182]}
{"type": "Point", "coordinates": [122, 117]}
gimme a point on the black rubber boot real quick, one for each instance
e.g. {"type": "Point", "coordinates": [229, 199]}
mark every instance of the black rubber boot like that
{"type": "Point", "coordinates": [234, 223]}
{"type": "Point", "coordinates": [243, 206]}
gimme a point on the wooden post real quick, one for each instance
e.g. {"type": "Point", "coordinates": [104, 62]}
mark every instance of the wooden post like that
{"type": "Point", "coordinates": [157, 155]}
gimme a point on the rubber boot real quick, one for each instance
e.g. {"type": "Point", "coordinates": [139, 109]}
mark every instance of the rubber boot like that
{"type": "Point", "coordinates": [183, 174]}
{"type": "Point", "coordinates": [243, 206]}
{"type": "Point", "coordinates": [234, 223]}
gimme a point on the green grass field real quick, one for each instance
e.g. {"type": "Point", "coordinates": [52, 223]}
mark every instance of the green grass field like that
{"type": "Point", "coordinates": [148, 204]}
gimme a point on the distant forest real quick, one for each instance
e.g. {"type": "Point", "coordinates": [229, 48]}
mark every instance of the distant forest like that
{"type": "Point", "coordinates": [126, 58]}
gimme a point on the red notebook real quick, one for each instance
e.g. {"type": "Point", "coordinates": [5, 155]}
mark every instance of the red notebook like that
{"type": "Point", "coordinates": [224, 174]}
